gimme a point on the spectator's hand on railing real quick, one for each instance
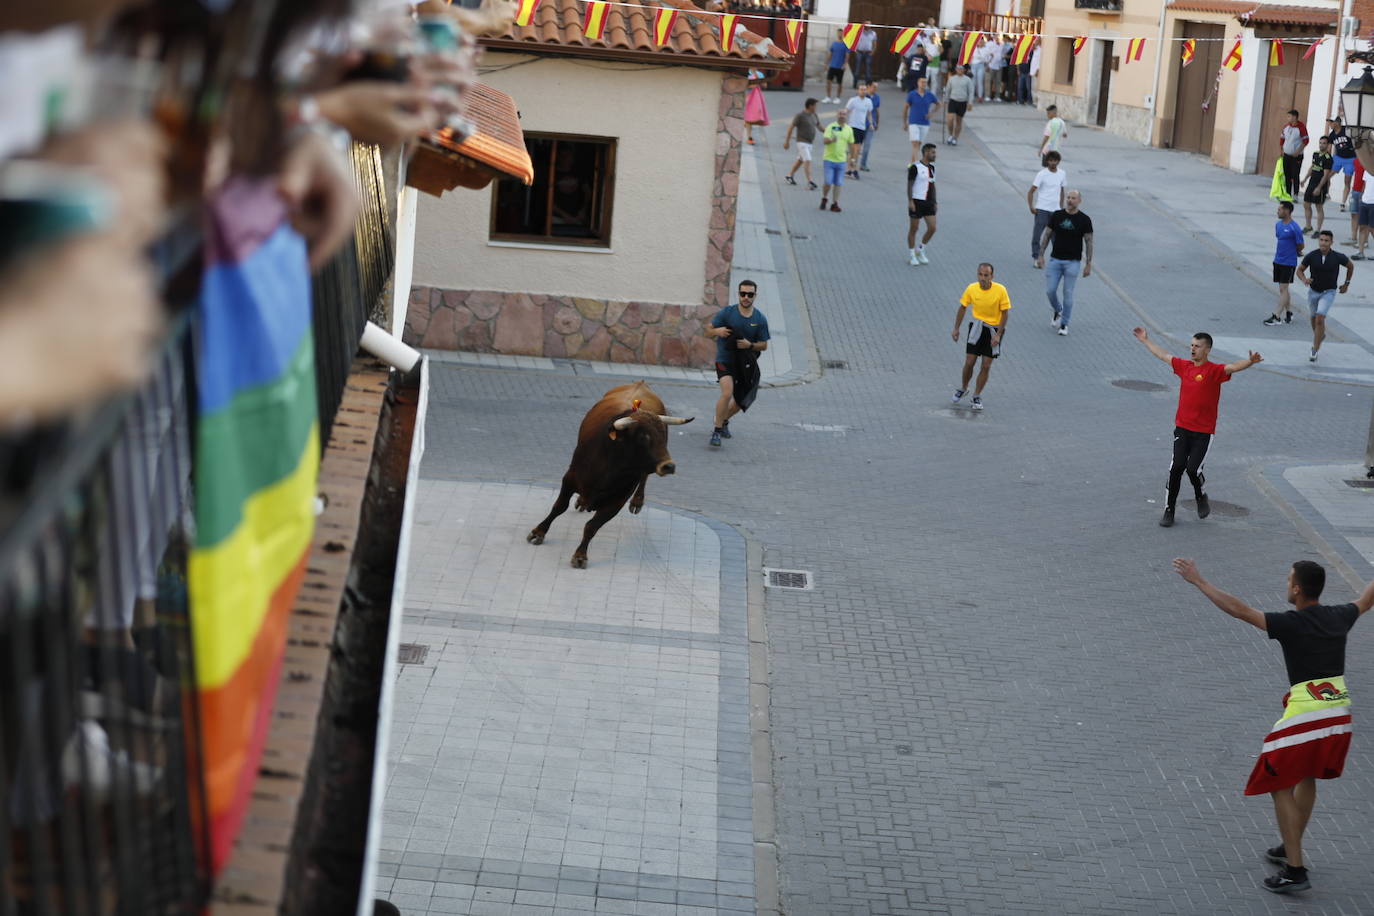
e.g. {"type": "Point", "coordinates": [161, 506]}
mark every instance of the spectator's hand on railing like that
{"type": "Point", "coordinates": [318, 187]}
{"type": "Point", "coordinates": [78, 323]}
{"type": "Point", "coordinates": [131, 156]}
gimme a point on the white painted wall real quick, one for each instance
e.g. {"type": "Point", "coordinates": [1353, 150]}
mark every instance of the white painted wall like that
{"type": "Point", "coordinates": [664, 119]}
{"type": "Point", "coordinates": [951, 13]}
{"type": "Point", "coordinates": [406, 208]}
{"type": "Point", "coordinates": [1248, 119]}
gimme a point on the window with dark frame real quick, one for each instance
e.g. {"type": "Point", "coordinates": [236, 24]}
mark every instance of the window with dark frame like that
{"type": "Point", "coordinates": [1064, 61]}
{"type": "Point", "coordinates": [571, 199]}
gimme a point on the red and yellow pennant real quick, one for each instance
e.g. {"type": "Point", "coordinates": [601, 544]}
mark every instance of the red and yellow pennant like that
{"type": "Point", "coordinates": [663, 24]}
{"type": "Point", "coordinates": [904, 40]}
{"type": "Point", "coordinates": [1021, 52]}
{"type": "Point", "coordinates": [1312, 48]}
{"type": "Point", "coordinates": [1134, 49]}
{"type": "Point", "coordinates": [524, 15]}
{"type": "Point", "coordinates": [1079, 43]}
{"type": "Point", "coordinates": [967, 47]}
{"type": "Point", "coordinates": [1189, 49]}
{"type": "Point", "coordinates": [729, 25]}
{"type": "Point", "coordinates": [594, 19]}
{"type": "Point", "coordinates": [1276, 52]}
{"type": "Point", "coordinates": [850, 34]}
{"type": "Point", "coordinates": [1232, 61]}
{"type": "Point", "coordinates": [794, 29]}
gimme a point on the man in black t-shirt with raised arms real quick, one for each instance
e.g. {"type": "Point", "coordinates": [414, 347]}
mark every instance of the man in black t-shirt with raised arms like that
{"type": "Point", "coordinates": [1072, 232]}
{"type": "Point", "coordinates": [1325, 266]}
{"type": "Point", "coordinates": [1310, 739]}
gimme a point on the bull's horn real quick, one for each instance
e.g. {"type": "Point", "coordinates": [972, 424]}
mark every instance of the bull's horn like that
{"type": "Point", "coordinates": [675, 421]}
{"type": "Point", "coordinates": [624, 423]}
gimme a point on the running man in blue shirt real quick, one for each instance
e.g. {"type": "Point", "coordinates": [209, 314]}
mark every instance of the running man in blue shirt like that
{"type": "Point", "coordinates": [1286, 251]}
{"type": "Point", "coordinates": [916, 112]}
{"type": "Point", "coordinates": [839, 53]}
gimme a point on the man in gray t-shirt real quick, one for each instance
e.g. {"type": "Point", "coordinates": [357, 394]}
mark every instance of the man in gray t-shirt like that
{"type": "Point", "coordinates": [804, 125]}
{"type": "Point", "coordinates": [958, 101]}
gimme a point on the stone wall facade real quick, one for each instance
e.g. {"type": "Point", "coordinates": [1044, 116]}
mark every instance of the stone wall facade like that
{"type": "Point", "coordinates": [482, 321]}
{"type": "Point", "coordinates": [559, 327]}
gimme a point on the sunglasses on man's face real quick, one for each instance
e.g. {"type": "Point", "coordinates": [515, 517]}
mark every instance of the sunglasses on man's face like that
{"type": "Point", "coordinates": [744, 295]}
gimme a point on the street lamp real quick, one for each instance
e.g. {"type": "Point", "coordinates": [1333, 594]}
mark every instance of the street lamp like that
{"type": "Point", "coordinates": [1357, 99]}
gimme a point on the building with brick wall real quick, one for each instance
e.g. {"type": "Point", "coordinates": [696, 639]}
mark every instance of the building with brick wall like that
{"type": "Point", "coordinates": [620, 248]}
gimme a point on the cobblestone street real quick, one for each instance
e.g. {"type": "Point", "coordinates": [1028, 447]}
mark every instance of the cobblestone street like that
{"type": "Point", "coordinates": [997, 698]}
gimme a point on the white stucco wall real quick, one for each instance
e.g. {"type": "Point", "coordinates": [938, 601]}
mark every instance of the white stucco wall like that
{"type": "Point", "coordinates": [664, 120]}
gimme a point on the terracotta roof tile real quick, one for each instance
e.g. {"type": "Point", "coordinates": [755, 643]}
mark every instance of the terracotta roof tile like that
{"type": "Point", "coordinates": [1262, 13]}
{"type": "Point", "coordinates": [498, 142]}
{"type": "Point", "coordinates": [695, 39]}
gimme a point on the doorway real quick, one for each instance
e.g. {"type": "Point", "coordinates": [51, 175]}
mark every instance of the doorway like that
{"type": "Point", "coordinates": [1105, 60]}
{"type": "Point", "coordinates": [1286, 86]}
{"type": "Point", "coordinates": [1195, 85]}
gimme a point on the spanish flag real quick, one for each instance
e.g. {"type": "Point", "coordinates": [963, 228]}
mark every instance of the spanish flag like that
{"type": "Point", "coordinates": [663, 24]}
{"type": "Point", "coordinates": [967, 47]}
{"type": "Point", "coordinates": [1134, 49]}
{"type": "Point", "coordinates": [524, 15]}
{"type": "Point", "coordinates": [1189, 49]}
{"type": "Point", "coordinates": [850, 34]}
{"type": "Point", "coordinates": [1022, 51]}
{"type": "Point", "coordinates": [1312, 48]}
{"type": "Point", "coordinates": [257, 457]}
{"type": "Point", "coordinates": [729, 25]}
{"type": "Point", "coordinates": [594, 19]}
{"type": "Point", "coordinates": [794, 29]}
{"type": "Point", "coordinates": [904, 40]}
{"type": "Point", "coordinates": [1232, 61]}
{"type": "Point", "coordinates": [1276, 52]}
{"type": "Point", "coordinates": [1079, 44]}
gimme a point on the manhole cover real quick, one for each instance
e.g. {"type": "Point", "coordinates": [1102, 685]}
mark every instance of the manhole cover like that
{"type": "Point", "coordinates": [412, 653]}
{"type": "Point", "coordinates": [1219, 507]}
{"type": "Point", "coordinates": [798, 579]}
{"type": "Point", "coordinates": [834, 364]}
{"type": "Point", "coordinates": [1135, 384]}
{"type": "Point", "coordinates": [1360, 484]}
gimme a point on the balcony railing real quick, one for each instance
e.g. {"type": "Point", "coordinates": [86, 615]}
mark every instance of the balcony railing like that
{"type": "Point", "coordinates": [1102, 6]}
{"type": "Point", "coordinates": [995, 23]}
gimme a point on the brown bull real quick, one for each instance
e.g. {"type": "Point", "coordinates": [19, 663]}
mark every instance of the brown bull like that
{"type": "Point", "coordinates": [623, 439]}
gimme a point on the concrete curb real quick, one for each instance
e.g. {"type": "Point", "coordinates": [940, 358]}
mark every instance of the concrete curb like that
{"type": "Point", "coordinates": [766, 864]}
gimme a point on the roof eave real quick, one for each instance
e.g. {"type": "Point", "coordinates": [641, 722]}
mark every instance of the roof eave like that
{"type": "Point", "coordinates": [700, 61]}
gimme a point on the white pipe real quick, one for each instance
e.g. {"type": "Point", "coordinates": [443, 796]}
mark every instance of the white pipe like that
{"type": "Point", "coordinates": [1160, 60]}
{"type": "Point", "coordinates": [389, 349]}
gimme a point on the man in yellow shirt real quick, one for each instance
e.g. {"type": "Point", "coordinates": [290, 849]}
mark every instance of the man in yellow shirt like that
{"type": "Point", "coordinates": [984, 334]}
{"type": "Point", "coordinates": [838, 138]}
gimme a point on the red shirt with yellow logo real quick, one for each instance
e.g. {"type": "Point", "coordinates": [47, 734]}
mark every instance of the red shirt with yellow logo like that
{"type": "Point", "coordinates": [1198, 394]}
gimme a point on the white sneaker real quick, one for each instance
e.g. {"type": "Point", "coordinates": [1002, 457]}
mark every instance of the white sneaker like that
{"type": "Point", "coordinates": [1054, 322]}
{"type": "Point", "coordinates": [1063, 331]}
{"type": "Point", "coordinates": [921, 256]}
{"type": "Point", "coordinates": [913, 260]}
{"type": "Point", "coordinates": [1313, 357]}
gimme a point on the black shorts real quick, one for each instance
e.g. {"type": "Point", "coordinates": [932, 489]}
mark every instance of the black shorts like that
{"type": "Point", "coordinates": [834, 75]}
{"type": "Point", "coordinates": [921, 209]}
{"type": "Point", "coordinates": [957, 108]}
{"type": "Point", "coordinates": [984, 345]}
{"type": "Point", "coordinates": [858, 135]}
{"type": "Point", "coordinates": [721, 371]}
{"type": "Point", "coordinates": [1283, 273]}
{"type": "Point", "coordinates": [1311, 195]}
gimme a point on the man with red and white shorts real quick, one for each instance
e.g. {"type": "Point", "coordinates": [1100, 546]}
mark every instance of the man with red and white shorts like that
{"type": "Point", "coordinates": [1309, 742]}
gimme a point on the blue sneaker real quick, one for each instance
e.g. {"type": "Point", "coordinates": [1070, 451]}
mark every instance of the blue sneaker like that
{"type": "Point", "coordinates": [715, 438]}
{"type": "Point", "coordinates": [725, 431]}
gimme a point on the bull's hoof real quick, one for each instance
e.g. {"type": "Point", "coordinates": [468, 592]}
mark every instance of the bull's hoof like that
{"type": "Point", "coordinates": [535, 537]}
{"type": "Point", "coordinates": [579, 561]}
{"type": "Point", "coordinates": [635, 507]}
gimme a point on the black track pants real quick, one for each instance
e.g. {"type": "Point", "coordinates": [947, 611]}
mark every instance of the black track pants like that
{"type": "Point", "coordinates": [1190, 450]}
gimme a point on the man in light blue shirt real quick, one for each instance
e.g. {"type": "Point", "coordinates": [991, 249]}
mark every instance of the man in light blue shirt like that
{"type": "Point", "coordinates": [834, 75]}
{"type": "Point", "coordinates": [1287, 248]}
{"type": "Point", "coordinates": [872, 124]}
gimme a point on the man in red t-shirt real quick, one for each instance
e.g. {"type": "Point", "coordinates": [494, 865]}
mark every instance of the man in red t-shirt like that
{"type": "Point", "coordinates": [1199, 393]}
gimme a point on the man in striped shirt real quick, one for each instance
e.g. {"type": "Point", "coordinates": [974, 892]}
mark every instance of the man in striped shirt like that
{"type": "Point", "coordinates": [920, 187]}
{"type": "Point", "coordinates": [1310, 740]}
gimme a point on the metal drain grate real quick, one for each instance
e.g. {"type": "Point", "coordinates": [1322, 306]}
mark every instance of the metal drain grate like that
{"type": "Point", "coordinates": [411, 653]}
{"type": "Point", "coordinates": [1135, 384]}
{"type": "Point", "coordinates": [834, 364]}
{"type": "Point", "coordinates": [1360, 484]}
{"type": "Point", "coordinates": [797, 579]}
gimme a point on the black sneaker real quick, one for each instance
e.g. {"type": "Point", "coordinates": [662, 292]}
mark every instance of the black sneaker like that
{"type": "Point", "coordinates": [811, 186]}
{"type": "Point", "coordinates": [1277, 854]}
{"type": "Point", "coordinates": [824, 202]}
{"type": "Point", "coordinates": [1272, 321]}
{"type": "Point", "coordinates": [1204, 506]}
{"type": "Point", "coordinates": [1167, 520]}
{"type": "Point", "coordinates": [715, 438]}
{"type": "Point", "coordinates": [1288, 880]}
{"type": "Point", "coordinates": [725, 431]}
{"type": "Point", "coordinates": [789, 179]}
{"type": "Point", "coordinates": [1287, 317]}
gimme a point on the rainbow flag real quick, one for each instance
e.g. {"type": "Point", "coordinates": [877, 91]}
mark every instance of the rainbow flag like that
{"type": "Point", "coordinates": [1232, 61]}
{"type": "Point", "coordinates": [1134, 49]}
{"type": "Point", "coordinates": [794, 29]}
{"type": "Point", "coordinates": [257, 443]}
{"type": "Point", "coordinates": [1079, 43]}
{"type": "Point", "coordinates": [1276, 52]}
{"type": "Point", "coordinates": [967, 47]}
{"type": "Point", "coordinates": [594, 19]}
{"type": "Point", "coordinates": [1189, 49]}
{"type": "Point", "coordinates": [850, 34]}
{"type": "Point", "coordinates": [663, 24]}
{"type": "Point", "coordinates": [1021, 52]}
{"type": "Point", "coordinates": [729, 25]}
{"type": "Point", "coordinates": [524, 14]}
{"type": "Point", "coordinates": [904, 40]}
{"type": "Point", "coordinates": [1312, 48]}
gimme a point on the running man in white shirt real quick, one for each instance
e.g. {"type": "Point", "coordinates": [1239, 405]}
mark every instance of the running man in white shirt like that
{"type": "Point", "coordinates": [1055, 131]}
{"type": "Point", "coordinates": [920, 186]}
{"type": "Point", "coordinates": [1046, 195]}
